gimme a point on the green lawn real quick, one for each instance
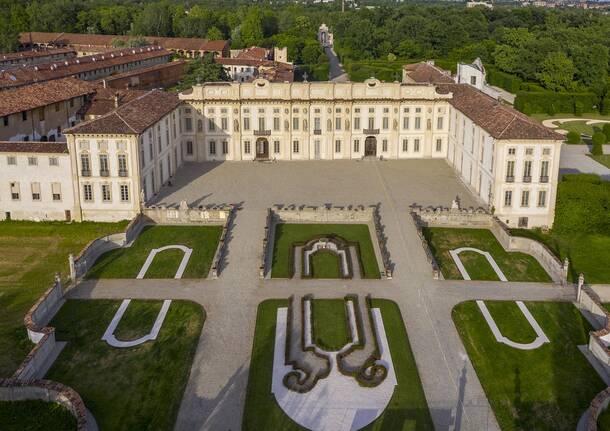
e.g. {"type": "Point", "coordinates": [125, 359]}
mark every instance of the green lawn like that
{"type": "Point", "coordinates": [515, 266]}
{"type": "Point", "coordinates": [134, 388]}
{"type": "Point", "coordinates": [35, 416]}
{"type": "Point", "coordinates": [603, 159]}
{"type": "Point", "coordinates": [588, 253]}
{"type": "Point", "coordinates": [286, 235]}
{"type": "Point", "coordinates": [127, 262]}
{"type": "Point", "coordinates": [325, 264]}
{"type": "Point", "coordinates": [548, 388]}
{"type": "Point", "coordinates": [330, 324]}
{"type": "Point", "coordinates": [603, 421]}
{"type": "Point", "coordinates": [407, 409]}
{"type": "Point", "coordinates": [31, 254]}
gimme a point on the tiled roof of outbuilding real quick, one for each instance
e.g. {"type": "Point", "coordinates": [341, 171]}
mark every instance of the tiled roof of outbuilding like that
{"type": "Point", "coordinates": [132, 118]}
{"type": "Point", "coordinates": [427, 73]}
{"type": "Point", "coordinates": [33, 147]}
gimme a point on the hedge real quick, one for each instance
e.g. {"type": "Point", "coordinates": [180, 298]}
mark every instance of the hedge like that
{"type": "Point", "coordinates": [598, 140]}
{"type": "Point", "coordinates": [583, 205]}
{"type": "Point", "coordinates": [530, 102]}
{"type": "Point", "coordinates": [504, 80]}
{"type": "Point", "coordinates": [573, 137]}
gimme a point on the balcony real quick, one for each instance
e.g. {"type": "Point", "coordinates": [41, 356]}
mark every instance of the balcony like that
{"type": "Point", "coordinates": [510, 179]}
{"type": "Point", "coordinates": [104, 173]}
{"type": "Point", "coordinates": [85, 173]}
{"type": "Point", "coordinates": [262, 133]}
{"type": "Point", "coordinates": [317, 132]}
{"type": "Point", "coordinates": [122, 173]}
{"type": "Point", "coordinates": [527, 179]}
{"type": "Point", "coordinates": [544, 179]}
{"type": "Point", "coordinates": [370, 131]}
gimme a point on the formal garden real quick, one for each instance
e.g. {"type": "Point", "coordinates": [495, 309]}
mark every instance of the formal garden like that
{"type": "Point", "coordinates": [544, 388]}
{"type": "Point", "coordinates": [291, 239]}
{"type": "Point", "coordinates": [127, 262]}
{"type": "Point", "coordinates": [407, 407]}
{"type": "Point", "coordinates": [516, 266]}
{"type": "Point", "coordinates": [139, 387]}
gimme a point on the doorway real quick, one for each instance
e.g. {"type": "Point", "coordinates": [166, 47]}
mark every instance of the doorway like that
{"type": "Point", "coordinates": [370, 146]}
{"type": "Point", "coordinates": [262, 149]}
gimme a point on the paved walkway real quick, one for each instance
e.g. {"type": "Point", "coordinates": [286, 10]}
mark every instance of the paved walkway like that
{"type": "Point", "coordinates": [574, 159]}
{"type": "Point", "coordinates": [336, 72]}
{"type": "Point", "coordinates": [215, 394]}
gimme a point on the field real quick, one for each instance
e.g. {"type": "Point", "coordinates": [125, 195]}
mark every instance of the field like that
{"type": "Point", "coordinates": [31, 254]}
{"type": "Point", "coordinates": [515, 266]}
{"type": "Point", "coordinates": [407, 409]}
{"type": "Point", "coordinates": [548, 388]}
{"type": "Point", "coordinates": [286, 235]}
{"type": "Point", "coordinates": [134, 388]}
{"type": "Point", "coordinates": [127, 262]}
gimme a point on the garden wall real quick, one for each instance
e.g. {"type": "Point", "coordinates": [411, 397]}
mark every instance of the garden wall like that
{"type": "Point", "coordinates": [49, 391]}
{"type": "Point", "coordinates": [598, 340]}
{"type": "Point", "coordinates": [313, 214]}
{"type": "Point", "coordinates": [597, 406]}
{"type": "Point", "coordinates": [479, 218]}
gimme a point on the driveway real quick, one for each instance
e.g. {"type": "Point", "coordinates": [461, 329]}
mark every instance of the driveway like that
{"type": "Point", "coordinates": [574, 159]}
{"type": "Point", "coordinates": [336, 72]}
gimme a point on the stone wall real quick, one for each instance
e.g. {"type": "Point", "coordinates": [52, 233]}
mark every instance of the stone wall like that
{"type": "Point", "coordinates": [49, 391]}
{"type": "Point", "coordinates": [355, 214]}
{"type": "Point", "coordinates": [599, 340]}
{"type": "Point", "coordinates": [481, 219]}
{"type": "Point", "coordinates": [597, 406]}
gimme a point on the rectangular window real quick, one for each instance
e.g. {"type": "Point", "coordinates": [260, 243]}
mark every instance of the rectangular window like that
{"type": "Point", "coordinates": [405, 145]}
{"type": "Point", "coordinates": [295, 146]}
{"type": "Point", "coordinates": [405, 123]}
{"type": "Point", "coordinates": [35, 191]}
{"type": "Point", "coordinates": [11, 160]}
{"type": "Point", "coordinates": [512, 151]}
{"type": "Point", "coordinates": [338, 123]}
{"type": "Point", "coordinates": [85, 165]}
{"type": "Point", "coordinates": [189, 148]}
{"type": "Point", "coordinates": [508, 198]}
{"type": "Point", "coordinates": [261, 123]}
{"type": "Point", "coordinates": [525, 198]}
{"type": "Point", "coordinates": [371, 122]}
{"type": "Point", "coordinates": [338, 146]}
{"type": "Point", "coordinates": [211, 125]}
{"type": "Point", "coordinates": [104, 165]}
{"type": "Point", "coordinates": [56, 191]}
{"type": "Point", "coordinates": [5, 120]}
{"type": "Point", "coordinates": [87, 193]}
{"type": "Point", "coordinates": [24, 116]}
{"type": "Point", "coordinates": [439, 123]}
{"type": "Point", "coordinates": [529, 151]}
{"type": "Point", "coordinates": [384, 145]}
{"type": "Point", "coordinates": [53, 161]}
{"type": "Point", "coordinates": [316, 123]}
{"type": "Point", "coordinates": [32, 161]}
{"type": "Point", "coordinates": [41, 114]}
{"type": "Point", "coordinates": [510, 171]}
{"type": "Point", "coordinates": [106, 193]}
{"type": "Point", "coordinates": [439, 145]}
{"type": "Point", "coordinates": [225, 147]}
{"type": "Point", "coordinates": [246, 123]}
{"type": "Point", "coordinates": [295, 123]}
{"type": "Point", "coordinates": [416, 145]}
{"type": "Point", "coordinates": [247, 147]}
{"type": "Point", "coordinates": [213, 147]}
{"type": "Point", "coordinates": [276, 124]}
{"type": "Point", "coordinates": [356, 145]}
{"type": "Point", "coordinates": [417, 123]}
{"type": "Point", "coordinates": [544, 171]}
{"type": "Point", "coordinates": [386, 123]}
{"type": "Point", "coordinates": [542, 198]}
{"type": "Point", "coordinates": [15, 191]}
{"type": "Point", "coordinates": [357, 123]}
{"type": "Point", "coordinates": [276, 147]}
{"type": "Point", "coordinates": [124, 188]}
{"type": "Point", "coordinates": [122, 161]}
{"type": "Point", "coordinates": [57, 106]}
{"type": "Point", "coordinates": [527, 171]}
{"type": "Point", "coordinates": [546, 151]}
{"type": "Point", "coordinates": [224, 123]}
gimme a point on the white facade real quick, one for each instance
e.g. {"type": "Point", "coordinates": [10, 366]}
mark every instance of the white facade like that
{"type": "Point", "coordinates": [36, 186]}
{"type": "Point", "coordinates": [474, 75]}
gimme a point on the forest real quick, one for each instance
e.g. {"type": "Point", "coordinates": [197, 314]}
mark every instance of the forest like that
{"type": "Point", "coordinates": [524, 49]}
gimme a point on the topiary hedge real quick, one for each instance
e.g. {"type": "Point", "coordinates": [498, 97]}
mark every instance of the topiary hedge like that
{"type": "Point", "coordinates": [598, 140]}
{"type": "Point", "coordinates": [573, 138]}
{"type": "Point", "coordinates": [504, 80]}
{"type": "Point", "coordinates": [583, 205]}
{"type": "Point", "coordinates": [530, 102]}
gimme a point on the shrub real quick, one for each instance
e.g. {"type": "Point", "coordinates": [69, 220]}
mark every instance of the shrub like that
{"type": "Point", "coordinates": [598, 140]}
{"type": "Point", "coordinates": [606, 131]}
{"type": "Point", "coordinates": [573, 137]}
{"type": "Point", "coordinates": [583, 205]}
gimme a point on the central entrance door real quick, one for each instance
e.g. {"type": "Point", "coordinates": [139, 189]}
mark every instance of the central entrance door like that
{"type": "Point", "coordinates": [370, 146]}
{"type": "Point", "coordinates": [262, 148]}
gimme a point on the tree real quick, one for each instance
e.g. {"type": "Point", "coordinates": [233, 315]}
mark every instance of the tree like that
{"type": "Point", "coordinates": [557, 72]}
{"type": "Point", "coordinates": [155, 19]}
{"type": "Point", "coordinates": [251, 29]}
{"type": "Point", "coordinates": [311, 52]}
{"type": "Point", "coordinates": [202, 70]}
{"type": "Point", "coordinates": [214, 34]}
{"type": "Point", "coordinates": [409, 48]}
{"type": "Point", "coordinates": [9, 37]}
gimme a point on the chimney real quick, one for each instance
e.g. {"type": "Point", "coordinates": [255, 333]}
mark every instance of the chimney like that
{"type": "Point", "coordinates": [116, 99]}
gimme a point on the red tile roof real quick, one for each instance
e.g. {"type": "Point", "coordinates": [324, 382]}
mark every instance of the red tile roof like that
{"type": "Point", "coordinates": [104, 100]}
{"type": "Point", "coordinates": [427, 73]}
{"type": "Point", "coordinates": [17, 76]}
{"type": "Point", "coordinates": [499, 120]}
{"type": "Point", "coordinates": [42, 94]}
{"type": "Point", "coordinates": [253, 53]}
{"type": "Point", "coordinates": [105, 40]}
{"type": "Point", "coordinates": [36, 53]}
{"type": "Point", "coordinates": [33, 147]}
{"type": "Point", "coordinates": [132, 118]}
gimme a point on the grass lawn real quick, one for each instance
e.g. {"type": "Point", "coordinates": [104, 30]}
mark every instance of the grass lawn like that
{"type": "Point", "coordinates": [35, 415]}
{"type": "Point", "coordinates": [127, 262]}
{"type": "Point", "coordinates": [288, 234]}
{"type": "Point", "coordinates": [126, 389]}
{"type": "Point", "coordinates": [604, 159]}
{"type": "Point", "coordinates": [515, 266]}
{"type": "Point", "coordinates": [325, 264]}
{"type": "Point", "coordinates": [603, 421]}
{"type": "Point", "coordinates": [588, 253]}
{"type": "Point", "coordinates": [330, 324]}
{"type": "Point", "coordinates": [407, 408]}
{"type": "Point", "coordinates": [544, 389]}
{"type": "Point", "coordinates": [31, 254]}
